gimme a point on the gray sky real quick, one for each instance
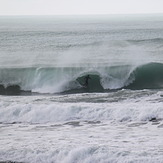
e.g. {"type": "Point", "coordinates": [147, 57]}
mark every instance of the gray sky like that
{"type": "Point", "coordinates": [71, 7]}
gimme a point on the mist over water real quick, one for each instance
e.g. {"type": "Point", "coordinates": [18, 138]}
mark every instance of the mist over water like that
{"type": "Point", "coordinates": [49, 113]}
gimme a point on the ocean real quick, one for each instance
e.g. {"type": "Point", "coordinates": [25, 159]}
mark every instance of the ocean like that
{"type": "Point", "coordinates": [81, 89]}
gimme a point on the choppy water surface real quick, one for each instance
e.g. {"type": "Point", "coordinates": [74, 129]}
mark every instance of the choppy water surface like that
{"type": "Point", "coordinates": [48, 114]}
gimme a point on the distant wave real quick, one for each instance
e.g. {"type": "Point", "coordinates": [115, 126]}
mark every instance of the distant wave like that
{"type": "Point", "coordinates": [122, 43]}
{"type": "Point", "coordinates": [153, 40]}
{"type": "Point", "coordinates": [72, 79]}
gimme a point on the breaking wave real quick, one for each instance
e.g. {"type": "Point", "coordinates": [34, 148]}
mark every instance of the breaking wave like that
{"type": "Point", "coordinates": [72, 79]}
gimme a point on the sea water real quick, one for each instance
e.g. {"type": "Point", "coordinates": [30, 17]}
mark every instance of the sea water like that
{"type": "Point", "coordinates": [48, 114]}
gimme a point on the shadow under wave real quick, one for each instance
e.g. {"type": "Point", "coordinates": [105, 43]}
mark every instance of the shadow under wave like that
{"type": "Point", "coordinates": [13, 90]}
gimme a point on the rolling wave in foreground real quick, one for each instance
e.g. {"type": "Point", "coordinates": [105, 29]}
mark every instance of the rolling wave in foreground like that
{"type": "Point", "coordinates": [72, 79]}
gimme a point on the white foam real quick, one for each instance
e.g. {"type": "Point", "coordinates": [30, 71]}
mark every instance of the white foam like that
{"type": "Point", "coordinates": [63, 129]}
{"type": "Point", "coordinates": [47, 110]}
{"type": "Point", "coordinates": [85, 144]}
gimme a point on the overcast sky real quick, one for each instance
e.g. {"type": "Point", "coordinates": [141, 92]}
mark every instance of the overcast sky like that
{"type": "Point", "coordinates": [71, 7]}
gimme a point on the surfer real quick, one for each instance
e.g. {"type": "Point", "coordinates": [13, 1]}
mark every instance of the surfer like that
{"type": "Point", "coordinates": [87, 78]}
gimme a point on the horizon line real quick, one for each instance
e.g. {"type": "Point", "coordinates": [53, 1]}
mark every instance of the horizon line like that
{"type": "Point", "coordinates": [114, 14]}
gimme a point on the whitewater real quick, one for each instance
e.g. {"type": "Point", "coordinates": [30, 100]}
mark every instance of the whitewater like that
{"type": "Point", "coordinates": [47, 112]}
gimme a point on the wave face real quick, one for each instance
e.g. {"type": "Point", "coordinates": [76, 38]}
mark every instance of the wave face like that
{"type": "Point", "coordinates": [72, 79]}
{"type": "Point", "coordinates": [149, 76]}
